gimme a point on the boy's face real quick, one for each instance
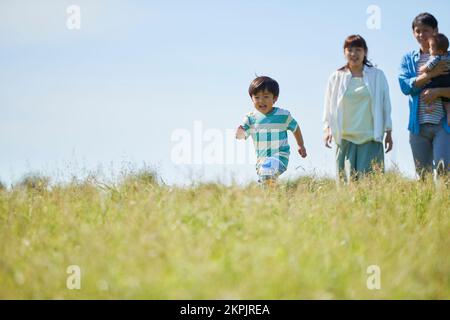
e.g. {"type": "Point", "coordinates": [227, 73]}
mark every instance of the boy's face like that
{"type": "Point", "coordinates": [264, 101]}
{"type": "Point", "coordinates": [422, 33]}
{"type": "Point", "coordinates": [434, 49]}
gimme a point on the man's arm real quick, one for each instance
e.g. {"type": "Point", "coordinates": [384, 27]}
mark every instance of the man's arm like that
{"type": "Point", "coordinates": [444, 92]}
{"type": "Point", "coordinates": [429, 95]}
{"type": "Point", "coordinates": [407, 77]}
{"type": "Point", "coordinates": [440, 69]}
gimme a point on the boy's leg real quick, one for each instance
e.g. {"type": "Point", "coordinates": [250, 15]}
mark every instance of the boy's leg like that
{"type": "Point", "coordinates": [270, 182]}
{"type": "Point", "coordinates": [268, 171]}
{"type": "Point", "coordinates": [266, 181]}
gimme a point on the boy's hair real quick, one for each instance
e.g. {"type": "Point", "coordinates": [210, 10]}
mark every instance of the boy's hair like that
{"type": "Point", "coordinates": [425, 18]}
{"type": "Point", "coordinates": [264, 83]}
{"type": "Point", "coordinates": [441, 41]}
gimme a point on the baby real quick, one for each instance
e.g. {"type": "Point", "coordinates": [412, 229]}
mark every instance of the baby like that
{"type": "Point", "coordinates": [438, 52]}
{"type": "Point", "coordinates": [268, 127]}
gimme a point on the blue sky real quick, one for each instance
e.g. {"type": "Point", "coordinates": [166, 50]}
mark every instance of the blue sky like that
{"type": "Point", "coordinates": [112, 93]}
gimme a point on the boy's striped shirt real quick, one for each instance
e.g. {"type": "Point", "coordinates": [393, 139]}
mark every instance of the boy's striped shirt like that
{"type": "Point", "coordinates": [437, 114]}
{"type": "Point", "coordinates": [269, 133]}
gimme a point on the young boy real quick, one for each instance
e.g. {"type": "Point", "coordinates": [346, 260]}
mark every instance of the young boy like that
{"type": "Point", "coordinates": [268, 127]}
{"type": "Point", "coordinates": [438, 52]}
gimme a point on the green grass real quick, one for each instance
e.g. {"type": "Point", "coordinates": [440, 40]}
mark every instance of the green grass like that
{"type": "Point", "coordinates": [307, 239]}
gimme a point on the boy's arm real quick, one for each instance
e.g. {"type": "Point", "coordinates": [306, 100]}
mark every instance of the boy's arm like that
{"type": "Point", "coordinates": [301, 144]}
{"type": "Point", "coordinates": [240, 133]}
{"type": "Point", "coordinates": [293, 126]}
{"type": "Point", "coordinates": [243, 131]}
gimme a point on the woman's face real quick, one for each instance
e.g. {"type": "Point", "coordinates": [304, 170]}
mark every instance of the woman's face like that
{"type": "Point", "coordinates": [355, 56]}
{"type": "Point", "coordinates": [422, 33]}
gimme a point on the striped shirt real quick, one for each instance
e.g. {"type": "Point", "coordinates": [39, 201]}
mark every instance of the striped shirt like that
{"type": "Point", "coordinates": [437, 114]}
{"type": "Point", "coordinates": [434, 60]}
{"type": "Point", "coordinates": [269, 133]}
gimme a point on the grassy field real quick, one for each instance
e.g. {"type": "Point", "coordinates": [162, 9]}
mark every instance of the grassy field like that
{"type": "Point", "coordinates": [307, 239]}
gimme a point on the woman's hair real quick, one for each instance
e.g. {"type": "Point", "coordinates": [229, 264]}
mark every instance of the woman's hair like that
{"type": "Point", "coordinates": [426, 19]}
{"type": "Point", "coordinates": [356, 40]}
{"type": "Point", "coordinates": [264, 83]}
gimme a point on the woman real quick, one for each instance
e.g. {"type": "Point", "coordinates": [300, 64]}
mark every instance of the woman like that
{"type": "Point", "coordinates": [358, 112]}
{"type": "Point", "coordinates": [429, 135]}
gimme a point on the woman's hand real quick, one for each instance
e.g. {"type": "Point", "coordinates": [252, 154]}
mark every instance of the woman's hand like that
{"type": "Point", "coordinates": [429, 95]}
{"type": "Point", "coordinates": [388, 143]}
{"type": "Point", "coordinates": [328, 138]}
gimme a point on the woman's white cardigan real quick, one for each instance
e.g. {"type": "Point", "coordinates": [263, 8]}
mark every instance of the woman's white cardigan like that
{"type": "Point", "coordinates": [377, 84]}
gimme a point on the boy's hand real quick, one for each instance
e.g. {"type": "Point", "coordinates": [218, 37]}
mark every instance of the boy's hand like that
{"type": "Point", "coordinates": [302, 151]}
{"type": "Point", "coordinates": [240, 133]}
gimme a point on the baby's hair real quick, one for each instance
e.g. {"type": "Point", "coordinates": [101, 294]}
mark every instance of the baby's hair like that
{"type": "Point", "coordinates": [426, 19]}
{"type": "Point", "coordinates": [264, 83]}
{"type": "Point", "coordinates": [355, 40]}
{"type": "Point", "coordinates": [441, 41]}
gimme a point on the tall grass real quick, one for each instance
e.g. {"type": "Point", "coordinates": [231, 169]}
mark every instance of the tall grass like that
{"type": "Point", "coordinates": [307, 239]}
